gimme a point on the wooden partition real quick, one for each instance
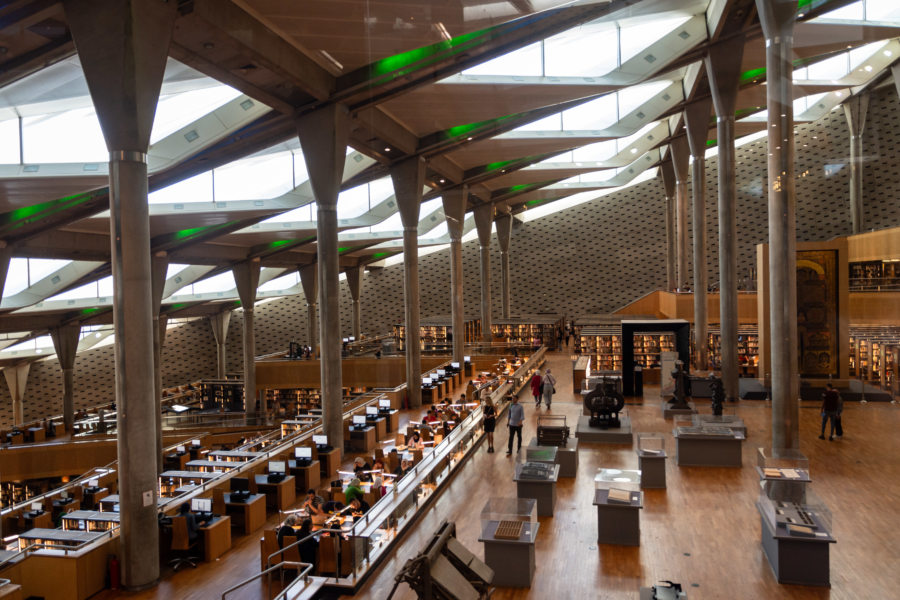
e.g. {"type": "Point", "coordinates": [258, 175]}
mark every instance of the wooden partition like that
{"type": "Point", "coordinates": [36, 461]}
{"type": "Point", "coordinates": [388, 372]}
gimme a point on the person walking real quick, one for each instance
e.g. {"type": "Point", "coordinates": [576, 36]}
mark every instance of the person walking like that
{"type": "Point", "coordinates": [490, 421]}
{"type": "Point", "coordinates": [831, 404]}
{"type": "Point", "coordinates": [549, 387]}
{"type": "Point", "coordinates": [514, 421]}
{"type": "Point", "coordinates": [536, 387]}
{"type": "Point", "coordinates": [838, 425]}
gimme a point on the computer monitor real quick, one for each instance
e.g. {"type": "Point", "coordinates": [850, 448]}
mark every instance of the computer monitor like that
{"type": "Point", "coordinates": [346, 340]}
{"type": "Point", "coordinates": [442, 373]}
{"type": "Point", "coordinates": [371, 410]}
{"type": "Point", "coordinates": [359, 419]}
{"type": "Point", "coordinates": [352, 338]}
{"type": "Point", "coordinates": [195, 443]}
{"type": "Point", "coordinates": [36, 507]}
{"type": "Point", "coordinates": [454, 365]}
{"type": "Point", "coordinates": [426, 381]}
{"type": "Point", "coordinates": [384, 404]}
{"type": "Point", "coordinates": [64, 495]}
{"type": "Point", "coordinates": [115, 507]}
{"type": "Point", "coordinates": [82, 525]}
{"type": "Point", "coordinates": [93, 483]}
{"type": "Point", "coordinates": [201, 505]}
{"type": "Point", "coordinates": [303, 452]}
{"type": "Point", "coordinates": [320, 440]}
{"type": "Point", "coordinates": [467, 359]}
{"type": "Point", "coordinates": [180, 449]}
{"type": "Point", "coordinates": [277, 466]}
{"type": "Point", "coordinates": [240, 484]}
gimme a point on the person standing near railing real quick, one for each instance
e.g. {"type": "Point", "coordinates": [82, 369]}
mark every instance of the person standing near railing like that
{"type": "Point", "coordinates": [515, 419]}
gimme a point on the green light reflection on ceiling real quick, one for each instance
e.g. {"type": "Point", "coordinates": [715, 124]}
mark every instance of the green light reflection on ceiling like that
{"type": "Point", "coordinates": [406, 59]}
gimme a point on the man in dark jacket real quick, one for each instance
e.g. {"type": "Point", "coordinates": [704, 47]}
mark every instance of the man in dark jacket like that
{"type": "Point", "coordinates": [831, 405]}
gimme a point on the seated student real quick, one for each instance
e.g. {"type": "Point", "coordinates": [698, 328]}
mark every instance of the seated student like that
{"type": "Point", "coordinates": [314, 506]}
{"type": "Point", "coordinates": [359, 507]}
{"type": "Point", "coordinates": [404, 468]}
{"type": "Point", "coordinates": [331, 507]}
{"type": "Point", "coordinates": [287, 529]}
{"type": "Point", "coordinates": [191, 520]}
{"type": "Point", "coordinates": [361, 468]}
{"type": "Point", "coordinates": [307, 548]}
{"type": "Point", "coordinates": [353, 491]}
{"type": "Point", "coordinates": [415, 441]}
{"type": "Point", "coordinates": [431, 417]}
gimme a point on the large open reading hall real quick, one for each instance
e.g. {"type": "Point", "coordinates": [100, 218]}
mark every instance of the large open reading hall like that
{"type": "Point", "coordinates": [449, 299]}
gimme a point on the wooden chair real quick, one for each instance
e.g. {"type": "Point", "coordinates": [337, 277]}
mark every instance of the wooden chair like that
{"type": "Point", "coordinates": [291, 554]}
{"type": "Point", "coordinates": [327, 555]}
{"type": "Point", "coordinates": [268, 546]}
{"type": "Point", "coordinates": [379, 454]}
{"type": "Point", "coordinates": [181, 543]}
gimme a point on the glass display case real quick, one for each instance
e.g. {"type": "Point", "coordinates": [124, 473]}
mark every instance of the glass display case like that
{"type": "Point", "coordinates": [808, 519]}
{"type": "Point", "coordinates": [541, 454]}
{"type": "Point", "coordinates": [623, 479]}
{"type": "Point", "coordinates": [509, 518]}
{"type": "Point", "coordinates": [783, 474]}
{"type": "Point", "coordinates": [651, 444]}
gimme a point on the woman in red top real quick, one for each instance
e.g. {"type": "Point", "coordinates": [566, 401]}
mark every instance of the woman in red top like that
{"type": "Point", "coordinates": [536, 387]}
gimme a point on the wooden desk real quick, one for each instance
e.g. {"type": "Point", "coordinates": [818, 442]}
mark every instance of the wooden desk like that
{"type": "Point", "coordinates": [41, 521]}
{"type": "Point", "coordinates": [393, 419]}
{"type": "Point", "coordinates": [11, 591]}
{"type": "Point", "coordinates": [279, 496]}
{"type": "Point", "coordinates": [380, 424]}
{"type": "Point", "coordinates": [330, 462]}
{"type": "Point", "coordinates": [36, 434]}
{"type": "Point", "coordinates": [216, 538]}
{"type": "Point", "coordinates": [89, 500]}
{"type": "Point", "coordinates": [249, 515]}
{"type": "Point", "coordinates": [176, 462]}
{"type": "Point", "coordinates": [59, 429]}
{"type": "Point", "coordinates": [16, 438]}
{"type": "Point", "coordinates": [362, 440]}
{"type": "Point", "coordinates": [306, 477]}
{"type": "Point", "coordinates": [59, 506]}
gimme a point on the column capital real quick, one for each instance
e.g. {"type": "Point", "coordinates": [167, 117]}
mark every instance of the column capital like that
{"type": "Point", "coordinates": [504, 230]}
{"type": "Point", "coordinates": [323, 137]}
{"type": "Point", "coordinates": [455, 201]}
{"type": "Point", "coordinates": [723, 69]}
{"type": "Point", "coordinates": [667, 172]}
{"type": "Point", "coordinates": [484, 218]}
{"type": "Point", "coordinates": [696, 120]}
{"type": "Point", "coordinates": [681, 157]}
{"type": "Point", "coordinates": [408, 177]}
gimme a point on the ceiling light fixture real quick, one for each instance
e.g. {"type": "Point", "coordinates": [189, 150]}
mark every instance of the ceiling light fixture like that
{"type": "Point", "coordinates": [387, 149]}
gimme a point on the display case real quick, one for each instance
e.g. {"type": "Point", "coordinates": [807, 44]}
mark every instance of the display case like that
{"type": "Point", "coordinates": [651, 444]}
{"type": "Point", "coordinates": [509, 529]}
{"type": "Point", "coordinates": [651, 453]}
{"type": "Point", "coordinates": [541, 454]}
{"type": "Point", "coordinates": [521, 510]}
{"type": "Point", "coordinates": [618, 499]}
{"type": "Point", "coordinates": [783, 474]}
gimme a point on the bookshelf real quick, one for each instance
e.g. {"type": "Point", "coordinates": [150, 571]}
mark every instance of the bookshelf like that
{"type": "Point", "coordinates": [531, 330]}
{"type": "Point", "coordinates": [748, 349]}
{"type": "Point", "coordinates": [872, 354]}
{"type": "Point", "coordinates": [435, 333]}
{"type": "Point", "coordinates": [875, 275]}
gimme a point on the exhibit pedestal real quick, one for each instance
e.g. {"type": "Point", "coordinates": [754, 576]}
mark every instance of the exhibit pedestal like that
{"type": "Point", "coordinates": [735, 423]}
{"type": "Point", "coordinates": [796, 560]}
{"type": "Point", "coordinates": [618, 523]}
{"type": "Point", "coordinates": [512, 560]}
{"type": "Point", "coordinates": [708, 450]}
{"type": "Point", "coordinates": [543, 490]}
{"type": "Point", "coordinates": [653, 469]}
{"type": "Point", "coordinates": [566, 457]}
{"type": "Point", "coordinates": [670, 411]}
{"type": "Point", "coordinates": [595, 435]}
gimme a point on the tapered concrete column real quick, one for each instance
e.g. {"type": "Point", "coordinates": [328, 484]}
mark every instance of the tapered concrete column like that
{"type": "Point", "coordinates": [16, 381]}
{"type": "Point", "coordinates": [5, 255]}
{"type": "Point", "coordinates": [409, 177]}
{"type": "Point", "coordinates": [159, 265]}
{"type": "Point", "coordinates": [454, 201]}
{"type": "Point", "coordinates": [855, 110]}
{"type": "Point", "coordinates": [323, 138]}
{"type": "Point", "coordinates": [219, 323]}
{"type": "Point", "coordinates": [777, 19]}
{"type": "Point", "coordinates": [680, 161]}
{"type": "Point", "coordinates": [246, 279]}
{"type": "Point", "coordinates": [123, 48]}
{"type": "Point", "coordinates": [668, 176]}
{"type": "Point", "coordinates": [354, 282]}
{"type": "Point", "coordinates": [696, 118]}
{"type": "Point", "coordinates": [309, 279]}
{"type": "Point", "coordinates": [65, 342]}
{"type": "Point", "coordinates": [504, 233]}
{"type": "Point", "coordinates": [723, 67]}
{"type": "Point", "coordinates": [484, 218]}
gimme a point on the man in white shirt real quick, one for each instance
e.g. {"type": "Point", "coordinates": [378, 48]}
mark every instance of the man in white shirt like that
{"type": "Point", "coordinates": [515, 418]}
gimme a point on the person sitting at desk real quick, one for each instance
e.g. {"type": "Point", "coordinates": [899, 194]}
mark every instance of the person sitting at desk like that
{"type": "Point", "coordinates": [314, 506]}
{"type": "Point", "coordinates": [415, 441]}
{"type": "Point", "coordinates": [193, 528]}
{"type": "Point", "coordinates": [353, 491]}
{"type": "Point", "coordinates": [361, 468]}
{"type": "Point", "coordinates": [359, 507]}
{"type": "Point", "coordinates": [309, 547]}
{"type": "Point", "coordinates": [431, 417]}
{"type": "Point", "coordinates": [404, 468]}
{"type": "Point", "coordinates": [286, 529]}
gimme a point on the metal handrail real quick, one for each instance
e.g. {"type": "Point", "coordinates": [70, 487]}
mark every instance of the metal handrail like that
{"type": "Point", "coordinates": [304, 573]}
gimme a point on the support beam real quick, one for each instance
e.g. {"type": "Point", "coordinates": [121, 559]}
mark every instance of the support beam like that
{"type": "Point", "coordinates": [309, 279]}
{"type": "Point", "coordinates": [484, 219]}
{"type": "Point", "coordinates": [696, 118]}
{"type": "Point", "coordinates": [668, 176]}
{"type": "Point", "coordinates": [455, 201]}
{"type": "Point", "coordinates": [16, 381]}
{"type": "Point", "coordinates": [65, 342]}
{"type": "Point", "coordinates": [159, 265]}
{"type": "Point", "coordinates": [504, 233]}
{"type": "Point", "coordinates": [323, 137]}
{"type": "Point", "coordinates": [855, 110]}
{"type": "Point", "coordinates": [777, 19]}
{"type": "Point", "coordinates": [354, 282]}
{"type": "Point", "coordinates": [409, 178]}
{"type": "Point", "coordinates": [123, 48]}
{"type": "Point", "coordinates": [219, 323]}
{"type": "Point", "coordinates": [723, 68]}
{"type": "Point", "coordinates": [246, 279]}
{"type": "Point", "coordinates": [5, 255]}
{"type": "Point", "coordinates": [680, 160]}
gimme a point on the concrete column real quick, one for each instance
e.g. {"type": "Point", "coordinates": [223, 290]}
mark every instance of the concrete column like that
{"type": "Point", "coordinates": [723, 67]}
{"type": "Point", "coordinates": [5, 255]}
{"type": "Point", "coordinates": [354, 282]}
{"type": "Point", "coordinates": [504, 233]}
{"type": "Point", "coordinates": [680, 161]}
{"type": "Point", "coordinates": [668, 177]}
{"type": "Point", "coordinates": [246, 278]}
{"type": "Point", "coordinates": [855, 110]}
{"type": "Point", "coordinates": [696, 118]}
{"type": "Point", "coordinates": [219, 323]}
{"type": "Point", "coordinates": [309, 279]}
{"type": "Point", "coordinates": [65, 342]}
{"type": "Point", "coordinates": [409, 178]}
{"type": "Point", "coordinates": [454, 201]}
{"type": "Point", "coordinates": [484, 218]}
{"type": "Point", "coordinates": [323, 137]}
{"type": "Point", "coordinates": [777, 19]}
{"type": "Point", "coordinates": [123, 48]}
{"type": "Point", "coordinates": [16, 380]}
{"type": "Point", "coordinates": [159, 265]}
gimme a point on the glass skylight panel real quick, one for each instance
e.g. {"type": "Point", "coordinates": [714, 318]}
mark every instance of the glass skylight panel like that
{"type": "Point", "coordinates": [631, 98]}
{"type": "Point", "coordinates": [70, 136]}
{"type": "Point", "coordinates": [39, 343]}
{"type": "Point", "coordinates": [858, 56]}
{"type": "Point", "coordinates": [300, 172]}
{"type": "Point", "coordinates": [551, 123]}
{"type": "Point", "coordinates": [175, 111]}
{"type": "Point", "coordinates": [281, 283]}
{"type": "Point", "coordinates": [265, 176]}
{"type": "Point", "coordinates": [626, 141]}
{"type": "Point", "coordinates": [102, 288]}
{"type": "Point", "coordinates": [16, 277]}
{"type": "Point", "coordinates": [38, 268]}
{"type": "Point", "coordinates": [9, 142]}
{"type": "Point", "coordinates": [174, 269]}
{"type": "Point", "coordinates": [801, 105]}
{"type": "Point", "coordinates": [353, 202]}
{"type": "Point", "coordinates": [598, 151]}
{"type": "Point", "coordinates": [850, 12]}
{"type": "Point", "coordinates": [830, 68]}
{"type": "Point", "coordinates": [882, 10]}
{"type": "Point", "coordinates": [523, 62]}
{"type": "Point", "coordinates": [380, 190]}
{"type": "Point", "coordinates": [198, 188]}
{"type": "Point", "coordinates": [587, 51]}
{"type": "Point", "coordinates": [595, 114]}
{"type": "Point", "coordinates": [637, 37]}
{"type": "Point", "coordinates": [223, 282]}
{"type": "Point", "coordinates": [439, 230]}
{"type": "Point", "coordinates": [429, 206]}
{"type": "Point", "coordinates": [392, 223]}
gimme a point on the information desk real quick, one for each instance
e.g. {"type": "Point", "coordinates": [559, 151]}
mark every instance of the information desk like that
{"type": "Point", "coordinates": [249, 515]}
{"type": "Point", "coordinates": [618, 522]}
{"type": "Point", "coordinates": [707, 447]}
{"type": "Point", "coordinates": [57, 538]}
{"type": "Point", "coordinates": [538, 481]}
{"type": "Point", "coordinates": [90, 520]}
{"type": "Point", "coordinates": [796, 559]}
{"type": "Point", "coordinates": [512, 560]}
{"type": "Point", "coordinates": [216, 538]}
{"type": "Point", "coordinates": [362, 439]}
{"type": "Point", "coordinates": [306, 477]}
{"type": "Point", "coordinates": [279, 496]}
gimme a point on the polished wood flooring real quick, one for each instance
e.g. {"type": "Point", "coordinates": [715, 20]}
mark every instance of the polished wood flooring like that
{"type": "Point", "coordinates": [703, 531]}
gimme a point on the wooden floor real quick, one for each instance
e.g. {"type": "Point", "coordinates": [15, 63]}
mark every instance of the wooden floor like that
{"type": "Point", "coordinates": [703, 531]}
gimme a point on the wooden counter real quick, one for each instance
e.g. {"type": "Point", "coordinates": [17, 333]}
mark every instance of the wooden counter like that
{"type": "Point", "coordinates": [248, 516]}
{"type": "Point", "coordinates": [216, 538]}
